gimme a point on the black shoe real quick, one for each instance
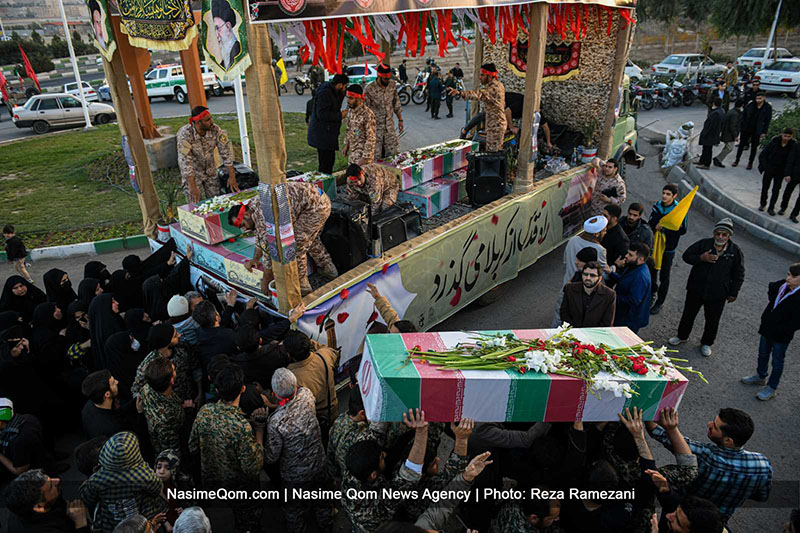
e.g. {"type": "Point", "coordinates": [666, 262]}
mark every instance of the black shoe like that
{"type": "Point", "coordinates": [782, 211]}
{"type": "Point", "coordinates": [771, 211]}
{"type": "Point", "coordinates": [656, 309]}
{"type": "Point", "coordinates": [449, 116]}
{"type": "Point", "coordinates": [437, 118]}
{"type": "Point", "coordinates": [793, 219]}
{"type": "Point", "coordinates": [749, 166]}
{"type": "Point", "coordinates": [718, 164]}
{"type": "Point", "coordinates": [762, 207]}
{"type": "Point", "coordinates": [735, 163]}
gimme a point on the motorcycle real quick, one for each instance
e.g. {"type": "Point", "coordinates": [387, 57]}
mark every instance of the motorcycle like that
{"type": "Point", "coordinates": [418, 95]}
{"type": "Point", "coordinates": [301, 83]}
{"type": "Point", "coordinates": [404, 93]}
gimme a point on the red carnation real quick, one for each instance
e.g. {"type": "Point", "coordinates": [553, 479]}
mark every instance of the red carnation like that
{"type": "Point", "coordinates": [417, 348]}
{"type": "Point", "coordinates": [344, 294]}
{"type": "Point", "coordinates": [605, 358]}
{"type": "Point", "coordinates": [600, 351]}
{"type": "Point", "coordinates": [522, 370]}
{"type": "Point", "coordinates": [512, 358]}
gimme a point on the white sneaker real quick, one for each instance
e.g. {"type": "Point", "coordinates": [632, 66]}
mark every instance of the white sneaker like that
{"type": "Point", "coordinates": [705, 350]}
{"type": "Point", "coordinates": [675, 341]}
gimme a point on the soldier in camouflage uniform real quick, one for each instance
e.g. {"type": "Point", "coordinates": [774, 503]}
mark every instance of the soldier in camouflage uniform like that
{"type": "Point", "coordinates": [196, 143]}
{"type": "Point", "coordinates": [359, 144]}
{"type": "Point", "coordinates": [375, 184]}
{"type": "Point", "coordinates": [364, 472]}
{"type": "Point", "coordinates": [231, 456]}
{"type": "Point", "coordinates": [309, 209]}
{"type": "Point", "coordinates": [162, 408]}
{"type": "Point", "coordinates": [493, 96]}
{"type": "Point", "coordinates": [164, 339]}
{"type": "Point", "coordinates": [381, 97]}
{"type": "Point", "coordinates": [512, 517]}
{"type": "Point", "coordinates": [349, 428]}
{"type": "Point", "coordinates": [294, 439]}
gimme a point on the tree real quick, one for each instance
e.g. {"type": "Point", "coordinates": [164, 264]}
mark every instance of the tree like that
{"type": "Point", "coordinates": [752, 17]}
{"type": "Point", "coordinates": [35, 37]}
{"type": "Point", "coordinates": [76, 37]}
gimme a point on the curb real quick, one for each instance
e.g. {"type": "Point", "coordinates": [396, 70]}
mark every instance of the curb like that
{"type": "Point", "coordinates": [86, 248]}
{"type": "Point", "coordinates": [708, 206]}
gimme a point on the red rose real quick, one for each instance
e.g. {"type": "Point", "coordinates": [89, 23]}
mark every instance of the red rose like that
{"type": "Point", "coordinates": [522, 370]}
{"type": "Point", "coordinates": [344, 294]}
{"type": "Point", "coordinates": [385, 268]}
{"type": "Point", "coordinates": [417, 348]}
{"type": "Point", "coordinates": [512, 358]}
{"type": "Point", "coordinates": [320, 319]}
{"type": "Point", "coordinates": [600, 351]}
{"type": "Point", "coordinates": [605, 358]}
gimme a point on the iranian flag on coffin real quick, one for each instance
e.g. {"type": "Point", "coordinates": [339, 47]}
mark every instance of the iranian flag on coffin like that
{"type": "Point", "coordinates": [390, 387]}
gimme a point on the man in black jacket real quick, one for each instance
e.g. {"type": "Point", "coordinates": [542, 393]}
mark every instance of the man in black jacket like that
{"type": "Point", "coordinates": [615, 240]}
{"type": "Point", "coordinates": [36, 502]}
{"type": "Point", "coordinates": [710, 135]}
{"type": "Point", "coordinates": [772, 163]}
{"type": "Point", "coordinates": [730, 132]}
{"type": "Point", "coordinates": [402, 73]}
{"type": "Point", "coordinates": [792, 179]}
{"type": "Point", "coordinates": [779, 321]}
{"type": "Point", "coordinates": [715, 279]}
{"type": "Point", "coordinates": [755, 123]}
{"type": "Point", "coordinates": [326, 121]}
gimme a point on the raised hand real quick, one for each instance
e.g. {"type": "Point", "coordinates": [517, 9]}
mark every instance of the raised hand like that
{"type": "Point", "coordinates": [476, 466]}
{"type": "Point", "coordinates": [415, 419]}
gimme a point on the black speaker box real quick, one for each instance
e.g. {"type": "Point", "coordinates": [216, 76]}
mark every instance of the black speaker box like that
{"type": "Point", "coordinates": [346, 233]}
{"type": "Point", "coordinates": [246, 177]}
{"type": "Point", "coordinates": [396, 225]}
{"type": "Point", "coordinates": [486, 177]}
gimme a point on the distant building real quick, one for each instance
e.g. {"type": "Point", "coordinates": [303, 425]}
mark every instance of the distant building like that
{"type": "Point", "coordinates": [42, 10]}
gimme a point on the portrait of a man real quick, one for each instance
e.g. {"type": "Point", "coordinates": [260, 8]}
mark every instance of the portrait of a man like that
{"type": "Point", "coordinates": [224, 23]}
{"type": "Point", "coordinates": [98, 23]}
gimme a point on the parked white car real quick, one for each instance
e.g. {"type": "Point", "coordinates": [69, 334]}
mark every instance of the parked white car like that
{"type": "Point", "coordinates": [678, 64]}
{"type": "Point", "coordinates": [88, 91]}
{"type": "Point", "coordinates": [45, 111]}
{"type": "Point", "coordinates": [633, 71]}
{"type": "Point", "coordinates": [167, 81]}
{"type": "Point", "coordinates": [782, 76]}
{"type": "Point", "coordinates": [755, 57]}
{"type": "Point", "coordinates": [291, 55]}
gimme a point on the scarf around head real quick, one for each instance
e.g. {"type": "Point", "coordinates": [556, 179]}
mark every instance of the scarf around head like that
{"type": "Point", "coordinates": [60, 294]}
{"type": "Point", "coordinates": [24, 305]}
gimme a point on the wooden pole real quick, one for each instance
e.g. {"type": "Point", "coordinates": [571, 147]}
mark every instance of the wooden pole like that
{"type": "Point", "coordinates": [190, 60]}
{"type": "Point", "coordinates": [537, 41]}
{"type": "Point", "coordinates": [128, 126]}
{"type": "Point", "coordinates": [623, 46]}
{"type": "Point", "coordinates": [386, 48]}
{"type": "Point", "coordinates": [476, 70]}
{"type": "Point", "coordinates": [136, 61]}
{"type": "Point", "coordinates": [268, 137]}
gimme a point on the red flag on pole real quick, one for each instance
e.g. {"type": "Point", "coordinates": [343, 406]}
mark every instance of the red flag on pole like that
{"type": "Point", "coordinates": [3, 83]}
{"type": "Point", "coordinates": [29, 69]}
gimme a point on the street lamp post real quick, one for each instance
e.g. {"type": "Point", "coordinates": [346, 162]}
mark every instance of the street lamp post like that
{"type": "Point", "coordinates": [75, 67]}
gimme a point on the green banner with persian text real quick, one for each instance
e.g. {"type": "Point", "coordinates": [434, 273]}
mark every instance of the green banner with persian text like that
{"type": "Point", "coordinates": [158, 24]}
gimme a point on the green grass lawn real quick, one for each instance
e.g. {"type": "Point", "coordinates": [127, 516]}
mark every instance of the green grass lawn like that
{"type": "Point", "coordinates": [73, 187]}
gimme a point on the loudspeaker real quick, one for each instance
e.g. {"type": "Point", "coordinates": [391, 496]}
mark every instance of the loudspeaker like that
{"type": "Point", "coordinates": [396, 225]}
{"type": "Point", "coordinates": [246, 177]}
{"type": "Point", "coordinates": [486, 177]}
{"type": "Point", "coordinates": [346, 233]}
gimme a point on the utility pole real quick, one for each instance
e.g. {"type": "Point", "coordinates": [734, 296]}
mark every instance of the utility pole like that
{"type": "Point", "coordinates": [772, 33]}
{"type": "Point", "coordinates": [242, 119]}
{"type": "Point", "coordinates": [75, 67]}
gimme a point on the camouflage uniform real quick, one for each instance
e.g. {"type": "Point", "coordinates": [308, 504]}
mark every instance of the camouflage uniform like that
{"type": "Point", "coordinates": [511, 518]}
{"type": "Point", "coordinates": [359, 138]}
{"type": "Point", "coordinates": [184, 363]}
{"type": "Point", "coordinates": [493, 97]}
{"type": "Point", "coordinates": [384, 102]}
{"type": "Point", "coordinates": [344, 433]}
{"type": "Point", "coordinates": [380, 188]}
{"type": "Point", "coordinates": [455, 464]}
{"type": "Point", "coordinates": [196, 158]}
{"type": "Point", "coordinates": [230, 457]}
{"type": "Point", "coordinates": [165, 417]}
{"type": "Point", "coordinates": [367, 514]}
{"type": "Point", "coordinates": [294, 439]}
{"type": "Point", "coordinates": [310, 209]}
{"type": "Point", "coordinates": [602, 184]}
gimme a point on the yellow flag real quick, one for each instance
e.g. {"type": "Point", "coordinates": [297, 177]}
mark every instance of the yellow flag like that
{"type": "Point", "coordinates": [671, 221]}
{"type": "Point", "coordinates": [284, 76]}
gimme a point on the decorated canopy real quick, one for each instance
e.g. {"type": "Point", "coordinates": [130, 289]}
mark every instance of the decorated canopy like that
{"type": "Point", "coordinates": [158, 24]}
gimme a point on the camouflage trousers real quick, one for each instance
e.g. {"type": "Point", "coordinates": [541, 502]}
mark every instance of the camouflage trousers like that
{"type": "Point", "coordinates": [495, 130]}
{"type": "Point", "coordinates": [307, 232]}
{"type": "Point", "coordinates": [207, 185]}
{"type": "Point", "coordinates": [385, 142]}
{"type": "Point", "coordinates": [297, 511]}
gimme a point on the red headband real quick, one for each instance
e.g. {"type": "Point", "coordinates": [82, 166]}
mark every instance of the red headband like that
{"type": "Point", "coordinates": [352, 178]}
{"type": "Point", "coordinates": [283, 401]}
{"type": "Point", "coordinates": [199, 117]}
{"type": "Point", "coordinates": [385, 74]}
{"type": "Point", "coordinates": [489, 73]}
{"type": "Point", "coordinates": [240, 216]}
{"type": "Point", "coordinates": [355, 95]}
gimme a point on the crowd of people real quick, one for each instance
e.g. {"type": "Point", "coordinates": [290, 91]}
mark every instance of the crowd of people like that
{"type": "Point", "coordinates": [177, 390]}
